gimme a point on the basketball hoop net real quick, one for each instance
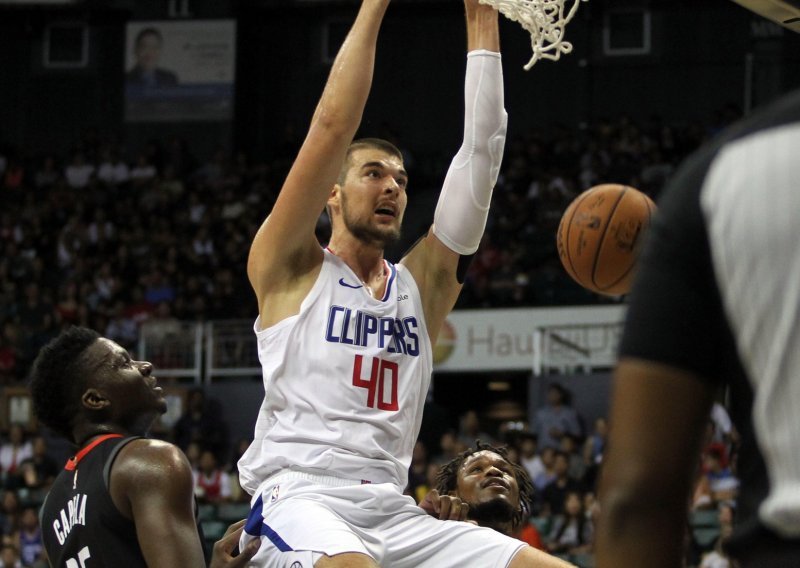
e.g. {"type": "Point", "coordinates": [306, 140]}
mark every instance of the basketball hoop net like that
{"type": "Point", "coordinates": [545, 20]}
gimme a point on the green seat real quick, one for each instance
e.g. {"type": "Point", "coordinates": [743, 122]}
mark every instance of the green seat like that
{"type": "Point", "coordinates": [705, 537]}
{"type": "Point", "coordinates": [704, 518]}
{"type": "Point", "coordinates": [542, 525]}
{"type": "Point", "coordinates": [206, 512]}
{"type": "Point", "coordinates": [583, 560]}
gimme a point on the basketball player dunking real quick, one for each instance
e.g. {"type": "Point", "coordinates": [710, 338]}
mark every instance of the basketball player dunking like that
{"type": "Point", "coordinates": [345, 337]}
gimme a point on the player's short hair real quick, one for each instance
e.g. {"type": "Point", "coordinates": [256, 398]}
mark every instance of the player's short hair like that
{"type": "Point", "coordinates": [58, 379]}
{"type": "Point", "coordinates": [361, 143]}
{"type": "Point", "coordinates": [447, 478]}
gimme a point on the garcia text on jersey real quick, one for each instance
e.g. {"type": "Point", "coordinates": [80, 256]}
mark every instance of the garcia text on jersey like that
{"type": "Point", "coordinates": [73, 514]}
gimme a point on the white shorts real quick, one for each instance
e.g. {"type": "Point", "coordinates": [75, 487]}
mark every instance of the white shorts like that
{"type": "Point", "coordinates": [300, 517]}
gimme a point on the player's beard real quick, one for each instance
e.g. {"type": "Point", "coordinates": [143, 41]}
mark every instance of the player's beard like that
{"type": "Point", "coordinates": [494, 513]}
{"type": "Point", "coordinates": [377, 236]}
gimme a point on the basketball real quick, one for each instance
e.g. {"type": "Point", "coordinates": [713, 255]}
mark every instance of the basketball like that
{"type": "Point", "coordinates": [600, 234]}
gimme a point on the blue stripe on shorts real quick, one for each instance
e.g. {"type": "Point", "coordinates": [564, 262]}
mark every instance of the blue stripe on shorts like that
{"type": "Point", "coordinates": [256, 526]}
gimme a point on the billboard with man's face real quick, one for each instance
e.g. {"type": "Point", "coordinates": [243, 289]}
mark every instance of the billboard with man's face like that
{"type": "Point", "coordinates": [180, 71]}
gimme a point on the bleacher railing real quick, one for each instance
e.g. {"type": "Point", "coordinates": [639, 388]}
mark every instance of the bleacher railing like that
{"type": "Point", "coordinates": [574, 348]}
{"type": "Point", "coordinates": [175, 348]}
{"type": "Point", "coordinates": [200, 352]}
{"type": "Point", "coordinates": [231, 349]}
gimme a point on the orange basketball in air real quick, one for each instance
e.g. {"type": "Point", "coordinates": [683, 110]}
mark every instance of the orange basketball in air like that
{"type": "Point", "coordinates": [600, 236]}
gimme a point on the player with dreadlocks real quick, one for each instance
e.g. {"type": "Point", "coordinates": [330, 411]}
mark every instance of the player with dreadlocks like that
{"type": "Point", "coordinates": [482, 485]}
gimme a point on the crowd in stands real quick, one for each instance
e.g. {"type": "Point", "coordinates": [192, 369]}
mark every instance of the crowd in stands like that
{"type": "Point", "coordinates": [560, 455]}
{"type": "Point", "coordinates": [108, 240]}
{"type": "Point", "coordinates": [563, 457]}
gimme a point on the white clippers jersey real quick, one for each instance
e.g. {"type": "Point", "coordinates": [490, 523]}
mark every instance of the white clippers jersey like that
{"type": "Point", "coordinates": [345, 381]}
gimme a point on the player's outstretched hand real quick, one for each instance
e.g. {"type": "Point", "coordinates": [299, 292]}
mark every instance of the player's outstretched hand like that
{"type": "Point", "coordinates": [444, 507]}
{"type": "Point", "coordinates": [221, 556]}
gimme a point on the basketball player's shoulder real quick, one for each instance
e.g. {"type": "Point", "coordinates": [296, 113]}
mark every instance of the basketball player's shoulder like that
{"type": "Point", "coordinates": [148, 471]}
{"type": "Point", "coordinates": [144, 458]}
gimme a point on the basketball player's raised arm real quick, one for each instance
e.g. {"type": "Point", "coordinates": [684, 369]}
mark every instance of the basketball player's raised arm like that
{"type": "Point", "coordinates": [438, 261]}
{"type": "Point", "coordinates": [285, 250]}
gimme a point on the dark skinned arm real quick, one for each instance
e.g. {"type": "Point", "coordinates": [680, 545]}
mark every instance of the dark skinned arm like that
{"type": "Point", "coordinates": [658, 416]}
{"type": "Point", "coordinates": [151, 483]}
{"type": "Point", "coordinates": [221, 557]}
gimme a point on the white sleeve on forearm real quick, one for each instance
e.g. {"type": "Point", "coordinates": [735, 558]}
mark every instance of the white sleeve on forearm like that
{"type": "Point", "coordinates": [463, 206]}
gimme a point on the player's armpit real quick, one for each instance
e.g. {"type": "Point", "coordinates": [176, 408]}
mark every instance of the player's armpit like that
{"type": "Point", "coordinates": [285, 246]}
{"type": "Point", "coordinates": [155, 480]}
{"type": "Point", "coordinates": [434, 267]}
{"type": "Point", "coordinates": [281, 283]}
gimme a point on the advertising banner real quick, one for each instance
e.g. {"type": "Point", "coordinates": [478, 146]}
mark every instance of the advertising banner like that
{"type": "Point", "coordinates": [529, 338]}
{"type": "Point", "coordinates": [180, 70]}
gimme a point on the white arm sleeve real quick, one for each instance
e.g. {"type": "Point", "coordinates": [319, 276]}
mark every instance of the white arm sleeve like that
{"type": "Point", "coordinates": [463, 206]}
